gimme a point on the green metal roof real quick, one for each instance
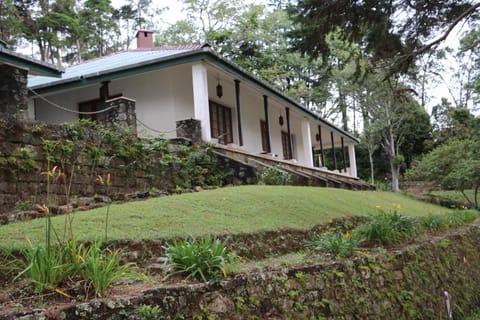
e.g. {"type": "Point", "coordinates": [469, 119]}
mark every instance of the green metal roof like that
{"type": "Point", "coordinates": [27, 63]}
{"type": "Point", "coordinates": [129, 63]}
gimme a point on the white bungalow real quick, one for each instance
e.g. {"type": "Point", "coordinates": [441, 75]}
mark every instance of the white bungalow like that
{"type": "Point", "coordinates": [170, 84]}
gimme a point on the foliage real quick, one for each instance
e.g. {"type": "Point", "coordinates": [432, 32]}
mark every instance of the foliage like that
{"type": "Point", "coordinates": [388, 228]}
{"type": "Point", "coordinates": [100, 268]}
{"type": "Point", "coordinates": [23, 205]}
{"type": "Point", "coordinates": [275, 176]}
{"type": "Point", "coordinates": [377, 26]}
{"type": "Point", "coordinates": [45, 267]}
{"type": "Point", "coordinates": [335, 243]}
{"type": "Point", "coordinates": [453, 165]}
{"type": "Point", "coordinates": [148, 312]}
{"type": "Point", "coordinates": [202, 259]}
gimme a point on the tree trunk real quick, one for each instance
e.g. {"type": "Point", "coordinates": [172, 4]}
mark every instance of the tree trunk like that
{"type": "Point", "coordinates": [395, 170]}
{"type": "Point", "coordinates": [370, 160]}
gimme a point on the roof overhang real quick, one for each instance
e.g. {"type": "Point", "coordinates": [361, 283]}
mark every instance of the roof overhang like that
{"type": "Point", "coordinates": [203, 54]}
{"type": "Point", "coordinates": [29, 64]}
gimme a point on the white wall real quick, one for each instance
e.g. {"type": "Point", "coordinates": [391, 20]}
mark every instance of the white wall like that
{"type": "Point", "coordinates": [162, 98]}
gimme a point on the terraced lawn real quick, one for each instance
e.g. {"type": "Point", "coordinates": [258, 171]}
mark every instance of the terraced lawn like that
{"type": "Point", "coordinates": [220, 211]}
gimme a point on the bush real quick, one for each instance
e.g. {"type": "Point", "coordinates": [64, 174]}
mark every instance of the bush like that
{"type": "Point", "coordinates": [338, 244]}
{"type": "Point", "coordinates": [275, 176]}
{"type": "Point", "coordinates": [45, 268]}
{"type": "Point", "coordinates": [203, 259]}
{"type": "Point", "coordinates": [433, 222]}
{"type": "Point", "coordinates": [100, 268]}
{"type": "Point", "coordinates": [388, 228]}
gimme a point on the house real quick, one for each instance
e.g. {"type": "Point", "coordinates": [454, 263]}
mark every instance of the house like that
{"type": "Point", "coordinates": [14, 70]}
{"type": "Point", "coordinates": [164, 89]}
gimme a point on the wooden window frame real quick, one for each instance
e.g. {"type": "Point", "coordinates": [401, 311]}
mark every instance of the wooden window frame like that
{"type": "Point", "coordinates": [221, 125]}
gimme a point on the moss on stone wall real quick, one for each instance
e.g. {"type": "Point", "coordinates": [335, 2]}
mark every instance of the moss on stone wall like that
{"type": "Point", "coordinates": [395, 284]}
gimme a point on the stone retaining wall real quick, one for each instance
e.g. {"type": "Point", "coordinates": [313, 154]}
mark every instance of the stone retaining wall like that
{"type": "Point", "coordinates": [398, 284]}
{"type": "Point", "coordinates": [83, 153]}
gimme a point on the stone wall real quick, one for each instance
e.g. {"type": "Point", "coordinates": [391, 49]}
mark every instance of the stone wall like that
{"type": "Point", "coordinates": [393, 284]}
{"type": "Point", "coordinates": [84, 151]}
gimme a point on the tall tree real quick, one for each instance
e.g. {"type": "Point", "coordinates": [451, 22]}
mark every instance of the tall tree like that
{"type": "Point", "coordinates": [386, 29]}
{"type": "Point", "coordinates": [99, 29]}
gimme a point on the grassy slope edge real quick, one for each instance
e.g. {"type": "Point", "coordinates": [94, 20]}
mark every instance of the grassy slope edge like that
{"type": "Point", "coordinates": [221, 211]}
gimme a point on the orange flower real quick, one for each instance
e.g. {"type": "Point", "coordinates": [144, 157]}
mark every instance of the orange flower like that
{"type": "Point", "coordinates": [330, 221]}
{"type": "Point", "coordinates": [100, 180]}
{"type": "Point", "coordinates": [108, 179]}
{"type": "Point", "coordinates": [347, 235]}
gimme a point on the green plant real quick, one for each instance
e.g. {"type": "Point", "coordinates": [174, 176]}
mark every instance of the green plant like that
{"type": "Point", "coordinates": [46, 268]}
{"type": "Point", "coordinates": [388, 228]}
{"type": "Point", "coordinates": [23, 205]}
{"type": "Point", "coordinates": [337, 244]}
{"type": "Point", "coordinates": [203, 259]}
{"type": "Point", "coordinates": [460, 217]}
{"type": "Point", "coordinates": [148, 312]}
{"type": "Point", "coordinates": [100, 268]}
{"type": "Point", "coordinates": [107, 183]}
{"type": "Point", "coordinates": [275, 176]}
{"type": "Point", "coordinates": [433, 222]}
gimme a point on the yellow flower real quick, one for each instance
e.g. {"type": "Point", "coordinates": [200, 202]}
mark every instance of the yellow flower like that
{"type": "Point", "coordinates": [378, 206]}
{"type": "Point", "coordinates": [398, 207]}
{"type": "Point", "coordinates": [324, 234]}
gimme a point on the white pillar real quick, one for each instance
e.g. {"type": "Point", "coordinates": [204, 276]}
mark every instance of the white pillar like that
{"type": "Point", "coordinates": [307, 154]}
{"type": "Point", "coordinates": [200, 99]}
{"type": "Point", "coordinates": [352, 160]}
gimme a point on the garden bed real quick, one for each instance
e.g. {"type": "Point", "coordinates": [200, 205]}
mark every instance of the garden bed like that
{"type": "Point", "coordinates": [278, 265]}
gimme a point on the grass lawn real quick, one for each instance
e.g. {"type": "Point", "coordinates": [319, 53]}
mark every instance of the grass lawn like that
{"type": "Point", "coordinates": [456, 196]}
{"type": "Point", "coordinates": [220, 211]}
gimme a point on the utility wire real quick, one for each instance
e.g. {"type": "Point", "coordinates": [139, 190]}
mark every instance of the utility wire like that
{"type": "Point", "coordinates": [93, 112]}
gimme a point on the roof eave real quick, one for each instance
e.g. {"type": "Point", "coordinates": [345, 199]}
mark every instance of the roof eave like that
{"type": "Point", "coordinates": [27, 63]}
{"type": "Point", "coordinates": [203, 53]}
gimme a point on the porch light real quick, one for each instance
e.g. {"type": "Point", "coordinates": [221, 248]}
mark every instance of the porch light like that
{"type": "Point", "coordinates": [280, 120]}
{"type": "Point", "coordinates": [219, 90]}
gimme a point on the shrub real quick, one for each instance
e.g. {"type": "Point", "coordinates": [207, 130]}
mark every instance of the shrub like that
{"type": "Point", "coordinates": [46, 268]}
{"type": "Point", "coordinates": [203, 259]}
{"type": "Point", "coordinates": [100, 268]}
{"type": "Point", "coordinates": [433, 222]}
{"type": "Point", "coordinates": [388, 228]}
{"type": "Point", "coordinates": [148, 312]}
{"type": "Point", "coordinates": [338, 244]}
{"type": "Point", "coordinates": [275, 176]}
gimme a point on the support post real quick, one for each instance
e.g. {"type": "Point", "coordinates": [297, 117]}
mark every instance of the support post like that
{"type": "Point", "coordinates": [267, 125]}
{"type": "Point", "coordinates": [239, 114]}
{"type": "Point", "coordinates": [352, 160]}
{"type": "Point", "coordinates": [335, 167]}
{"type": "Point", "coordinates": [344, 160]}
{"type": "Point", "coordinates": [322, 154]}
{"type": "Point", "coordinates": [200, 99]}
{"type": "Point", "coordinates": [287, 115]}
{"type": "Point", "coordinates": [307, 143]}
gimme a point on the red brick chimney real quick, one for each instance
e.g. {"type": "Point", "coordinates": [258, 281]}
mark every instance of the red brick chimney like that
{"type": "Point", "coordinates": [144, 39]}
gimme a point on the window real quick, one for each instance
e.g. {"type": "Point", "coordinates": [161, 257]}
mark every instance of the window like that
{"type": "Point", "coordinates": [90, 106]}
{"type": "Point", "coordinates": [221, 123]}
{"type": "Point", "coordinates": [264, 133]}
{"type": "Point", "coordinates": [286, 152]}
